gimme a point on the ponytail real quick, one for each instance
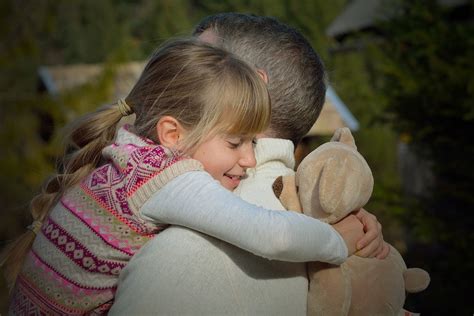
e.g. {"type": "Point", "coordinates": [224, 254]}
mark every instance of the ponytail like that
{"type": "Point", "coordinates": [84, 141]}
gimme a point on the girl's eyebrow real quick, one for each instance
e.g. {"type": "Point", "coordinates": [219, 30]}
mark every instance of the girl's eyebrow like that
{"type": "Point", "coordinates": [248, 137]}
{"type": "Point", "coordinates": [230, 136]}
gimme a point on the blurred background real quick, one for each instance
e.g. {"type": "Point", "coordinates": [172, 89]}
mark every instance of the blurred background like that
{"type": "Point", "coordinates": [401, 76]}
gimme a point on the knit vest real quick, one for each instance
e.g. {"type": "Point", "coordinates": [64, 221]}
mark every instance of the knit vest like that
{"type": "Point", "coordinates": [94, 230]}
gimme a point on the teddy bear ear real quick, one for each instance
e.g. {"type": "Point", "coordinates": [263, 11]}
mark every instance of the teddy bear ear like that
{"type": "Point", "coordinates": [331, 187]}
{"type": "Point", "coordinates": [344, 135]}
{"type": "Point", "coordinates": [345, 185]}
{"type": "Point", "coordinates": [278, 186]}
{"type": "Point", "coordinates": [286, 191]}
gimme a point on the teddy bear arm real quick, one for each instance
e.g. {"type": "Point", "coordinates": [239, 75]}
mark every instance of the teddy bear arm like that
{"type": "Point", "coordinates": [329, 290]}
{"type": "Point", "coordinates": [416, 280]}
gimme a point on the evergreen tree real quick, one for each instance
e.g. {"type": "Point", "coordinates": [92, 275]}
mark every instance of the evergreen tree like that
{"type": "Point", "coordinates": [427, 67]}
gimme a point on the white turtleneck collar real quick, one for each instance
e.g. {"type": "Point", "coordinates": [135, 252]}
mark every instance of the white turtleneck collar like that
{"type": "Point", "coordinates": [274, 151]}
{"type": "Point", "coordinates": [275, 157]}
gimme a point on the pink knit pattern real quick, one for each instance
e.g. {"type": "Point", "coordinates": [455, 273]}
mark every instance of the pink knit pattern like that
{"type": "Point", "coordinates": [94, 230]}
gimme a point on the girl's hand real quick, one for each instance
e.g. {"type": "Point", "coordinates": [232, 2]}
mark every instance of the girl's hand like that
{"type": "Point", "coordinates": [351, 230]}
{"type": "Point", "coordinates": [372, 244]}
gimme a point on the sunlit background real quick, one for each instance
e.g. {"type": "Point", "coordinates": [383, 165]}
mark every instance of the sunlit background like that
{"type": "Point", "coordinates": [401, 76]}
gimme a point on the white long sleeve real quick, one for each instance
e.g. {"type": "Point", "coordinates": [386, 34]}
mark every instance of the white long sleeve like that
{"type": "Point", "coordinates": [197, 201]}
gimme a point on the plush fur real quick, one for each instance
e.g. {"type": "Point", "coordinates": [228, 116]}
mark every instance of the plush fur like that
{"type": "Point", "coordinates": [331, 182]}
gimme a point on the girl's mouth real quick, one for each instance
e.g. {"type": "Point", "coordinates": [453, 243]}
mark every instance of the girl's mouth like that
{"type": "Point", "coordinates": [234, 177]}
{"type": "Point", "coordinates": [234, 180]}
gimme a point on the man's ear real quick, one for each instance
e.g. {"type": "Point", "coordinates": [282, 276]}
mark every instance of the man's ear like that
{"type": "Point", "coordinates": [263, 74]}
{"type": "Point", "coordinates": [169, 131]}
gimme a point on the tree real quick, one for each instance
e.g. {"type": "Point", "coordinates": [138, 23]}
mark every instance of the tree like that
{"type": "Point", "coordinates": [427, 76]}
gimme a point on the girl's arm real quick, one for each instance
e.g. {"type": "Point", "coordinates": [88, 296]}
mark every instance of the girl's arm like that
{"type": "Point", "coordinates": [197, 201]}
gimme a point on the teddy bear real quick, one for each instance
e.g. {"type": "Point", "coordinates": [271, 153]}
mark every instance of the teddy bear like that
{"type": "Point", "coordinates": [329, 183]}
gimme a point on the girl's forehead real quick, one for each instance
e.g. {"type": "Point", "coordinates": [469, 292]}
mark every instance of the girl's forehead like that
{"type": "Point", "coordinates": [239, 136]}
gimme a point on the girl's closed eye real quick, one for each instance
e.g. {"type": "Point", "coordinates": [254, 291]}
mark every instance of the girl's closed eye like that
{"type": "Point", "coordinates": [234, 143]}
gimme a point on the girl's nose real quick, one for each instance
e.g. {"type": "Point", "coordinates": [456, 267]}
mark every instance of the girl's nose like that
{"type": "Point", "coordinates": [247, 159]}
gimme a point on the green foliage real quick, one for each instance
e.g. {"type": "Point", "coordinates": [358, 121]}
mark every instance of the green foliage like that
{"type": "Point", "coordinates": [428, 80]}
{"type": "Point", "coordinates": [427, 67]}
{"type": "Point", "coordinates": [152, 22]}
{"type": "Point", "coordinates": [86, 31]}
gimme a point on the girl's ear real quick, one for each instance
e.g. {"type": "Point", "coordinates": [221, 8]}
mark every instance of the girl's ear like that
{"type": "Point", "coordinates": [169, 131]}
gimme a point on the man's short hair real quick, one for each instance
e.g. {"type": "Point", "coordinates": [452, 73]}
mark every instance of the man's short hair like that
{"type": "Point", "coordinates": [297, 82]}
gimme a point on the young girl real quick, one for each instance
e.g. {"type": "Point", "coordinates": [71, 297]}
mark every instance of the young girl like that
{"type": "Point", "coordinates": [197, 110]}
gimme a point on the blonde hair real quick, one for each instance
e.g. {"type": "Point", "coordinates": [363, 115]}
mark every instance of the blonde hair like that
{"type": "Point", "coordinates": [207, 89]}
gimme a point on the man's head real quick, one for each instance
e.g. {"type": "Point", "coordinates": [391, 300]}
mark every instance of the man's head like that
{"type": "Point", "coordinates": [296, 77]}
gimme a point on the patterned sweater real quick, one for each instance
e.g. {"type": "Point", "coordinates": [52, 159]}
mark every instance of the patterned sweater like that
{"type": "Point", "coordinates": [94, 230]}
